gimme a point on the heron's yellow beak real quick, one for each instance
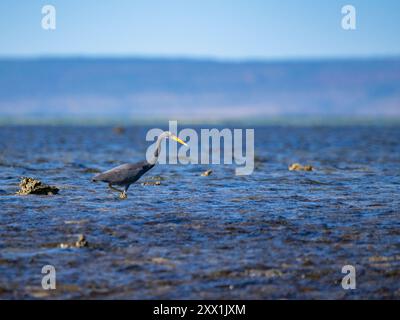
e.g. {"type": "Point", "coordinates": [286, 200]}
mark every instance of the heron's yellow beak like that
{"type": "Point", "coordinates": [179, 140]}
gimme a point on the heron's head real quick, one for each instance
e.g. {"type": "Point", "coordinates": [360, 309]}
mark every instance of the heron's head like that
{"type": "Point", "coordinates": [174, 137]}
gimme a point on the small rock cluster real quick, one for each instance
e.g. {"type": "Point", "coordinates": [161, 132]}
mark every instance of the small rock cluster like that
{"type": "Point", "coordinates": [299, 167]}
{"type": "Point", "coordinates": [34, 186]}
{"type": "Point", "coordinates": [80, 243]}
{"type": "Point", "coordinates": [151, 183]}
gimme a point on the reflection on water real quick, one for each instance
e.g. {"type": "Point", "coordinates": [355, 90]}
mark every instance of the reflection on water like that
{"type": "Point", "coordinates": [274, 234]}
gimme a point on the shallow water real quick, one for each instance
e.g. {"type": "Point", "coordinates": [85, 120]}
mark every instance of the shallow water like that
{"type": "Point", "coordinates": [274, 234]}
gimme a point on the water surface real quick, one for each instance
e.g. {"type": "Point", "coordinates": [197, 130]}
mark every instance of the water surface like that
{"type": "Point", "coordinates": [274, 234]}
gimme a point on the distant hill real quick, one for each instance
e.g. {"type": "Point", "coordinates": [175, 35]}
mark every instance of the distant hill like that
{"type": "Point", "coordinates": [197, 89]}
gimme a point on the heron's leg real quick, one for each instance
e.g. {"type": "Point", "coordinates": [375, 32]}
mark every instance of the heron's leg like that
{"type": "Point", "coordinates": [115, 189]}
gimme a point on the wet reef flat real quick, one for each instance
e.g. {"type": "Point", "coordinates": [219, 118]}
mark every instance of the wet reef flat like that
{"type": "Point", "coordinates": [274, 234]}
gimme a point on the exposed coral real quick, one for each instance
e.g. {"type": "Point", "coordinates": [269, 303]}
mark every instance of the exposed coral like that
{"type": "Point", "coordinates": [299, 167]}
{"type": "Point", "coordinates": [206, 173]}
{"type": "Point", "coordinates": [34, 186]}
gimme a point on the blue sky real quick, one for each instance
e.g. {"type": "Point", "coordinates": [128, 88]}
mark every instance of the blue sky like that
{"type": "Point", "coordinates": [235, 29]}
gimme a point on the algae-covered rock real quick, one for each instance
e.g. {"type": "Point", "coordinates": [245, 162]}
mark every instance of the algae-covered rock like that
{"type": "Point", "coordinates": [151, 183]}
{"type": "Point", "coordinates": [299, 167]}
{"type": "Point", "coordinates": [206, 173]}
{"type": "Point", "coordinates": [34, 186]}
{"type": "Point", "coordinates": [80, 243]}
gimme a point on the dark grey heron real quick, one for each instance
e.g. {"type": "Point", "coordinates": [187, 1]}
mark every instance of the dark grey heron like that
{"type": "Point", "coordinates": [128, 173]}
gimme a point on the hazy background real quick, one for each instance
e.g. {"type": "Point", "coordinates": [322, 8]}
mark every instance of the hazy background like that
{"type": "Point", "coordinates": [199, 60]}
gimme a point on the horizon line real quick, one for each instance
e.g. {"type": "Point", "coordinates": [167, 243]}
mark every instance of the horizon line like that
{"type": "Point", "coordinates": [285, 120]}
{"type": "Point", "coordinates": [143, 57]}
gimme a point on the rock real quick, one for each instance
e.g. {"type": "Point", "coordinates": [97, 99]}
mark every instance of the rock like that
{"type": "Point", "coordinates": [34, 186]}
{"type": "Point", "coordinates": [119, 130]}
{"type": "Point", "coordinates": [80, 243]}
{"type": "Point", "coordinates": [271, 273]}
{"type": "Point", "coordinates": [151, 183]}
{"type": "Point", "coordinates": [206, 173]}
{"type": "Point", "coordinates": [299, 167]}
{"type": "Point", "coordinates": [91, 170]}
{"type": "Point", "coordinates": [160, 260]}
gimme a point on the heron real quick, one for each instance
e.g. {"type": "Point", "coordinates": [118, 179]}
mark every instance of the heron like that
{"type": "Point", "coordinates": [128, 173]}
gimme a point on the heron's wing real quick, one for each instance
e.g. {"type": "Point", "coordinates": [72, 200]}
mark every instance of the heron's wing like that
{"type": "Point", "coordinates": [126, 173]}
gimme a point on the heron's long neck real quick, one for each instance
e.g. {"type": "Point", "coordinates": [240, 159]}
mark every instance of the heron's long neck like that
{"type": "Point", "coordinates": [158, 149]}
